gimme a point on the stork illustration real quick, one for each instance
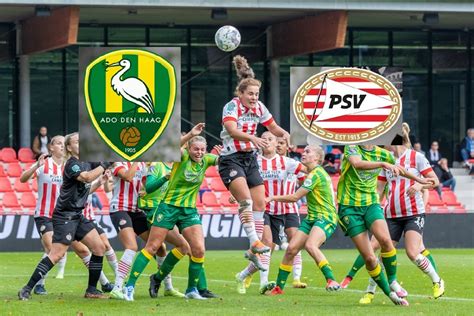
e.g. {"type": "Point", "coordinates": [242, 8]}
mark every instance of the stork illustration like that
{"type": "Point", "coordinates": [132, 89]}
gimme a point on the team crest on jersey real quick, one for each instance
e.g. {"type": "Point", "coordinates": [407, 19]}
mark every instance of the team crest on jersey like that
{"type": "Point", "coordinates": [307, 183]}
{"type": "Point", "coordinates": [130, 96]}
{"type": "Point", "coordinates": [159, 218]}
{"type": "Point", "coordinates": [347, 105]}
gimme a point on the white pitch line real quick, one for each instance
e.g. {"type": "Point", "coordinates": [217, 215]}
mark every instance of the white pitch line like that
{"type": "Point", "coordinates": [444, 298]}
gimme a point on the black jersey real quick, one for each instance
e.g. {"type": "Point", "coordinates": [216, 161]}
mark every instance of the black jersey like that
{"type": "Point", "coordinates": [73, 194]}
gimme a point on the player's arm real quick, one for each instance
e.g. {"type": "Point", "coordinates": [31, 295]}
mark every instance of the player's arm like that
{"type": "Point", "coordinates": [235, 133]}
{"type": "Point", "coordinates": [432, 181]}
{"type": "Point", "coordinates": [27, 174]}
{"type": "Point", "coordinates": [426, 183]}
{"type": "Point", "coordinates": [89, 176]}
{"type": "Point", "coordinates": [128, 175]}
{"type": "Point", "coordinates": [301, 192]}
{"type": "Point", "coordinates": [195, 131]}
{"type": "Point", "coordinates": [381, 188]}
{"type": "Point", "coordinates": [98, 182]}
{"type": "Point", "coordinates": [154, 183]}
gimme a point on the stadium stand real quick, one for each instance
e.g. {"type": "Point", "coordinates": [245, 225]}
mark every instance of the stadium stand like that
{"type": "Point", "coordinates": [26, 155]}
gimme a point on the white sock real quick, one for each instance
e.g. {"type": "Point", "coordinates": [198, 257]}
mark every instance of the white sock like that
{"type": "Point", "coordinates": [248, 271]}
{"type": "Point", "coordinates": [41, 281]}
{"type": "Point", "coordinates": [372, 287]}
{"type": "Point", "coordinates": [297, 266]}
{"type": "Point", "coordinates": [259, 222]}
{"type": "Point", "coordinates": [265, 260]}
{"type": "Point", "coordinates": [112, 259]}
{"type": "Point", "coordinates": [425, 265]}
{"type": "Point", "coordinates": [124, 266]}
{"type": "Point", "coordinates": [62, 263]}
{"type": "Point", "coordinates": [167, 280]}
{"type": "Point", "coordinates": [86, 260]}
{"type": "Point", "coordinates": [103, 279]}
{"type": "Point", "coordinates": [247, 219]}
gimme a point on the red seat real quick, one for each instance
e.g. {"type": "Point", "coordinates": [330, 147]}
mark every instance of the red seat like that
{"type": "Point", "coordinates": [218, 185]}
{"type": "Point", "coordinates": [204, 186]}
{"type": "Point", "coordinates": [212, 172]}
{"type": "Point", "coordinates": [5, 185]}
{"type": "Point", "coordinates": [14, 170]}
{"type": "Point", "coordinates": [10, 200]}
{"type": "Point", "coordinates": [198, 201]}
{"type": "Point", "coordinates": [336, 151]}
{"type": "Point", "coordinates": [21, 187]}
{"type": "Point", "coordinates": [209, 199]}
{"type": "Point", "coordinates": [450, 199]}
{"type": "Point", "coordinates": [26, 155]}
{"type": "Point", "coordinates": [34, 186]}
{"type": "Point", "coordinates": [28, 200]}
{"type": "Point", "coordinates": [8, 154]}
{"type": "Point", "coordinates": [2, 171]}
{"type": "Point", "coordinates": [434, 199]}
{"type": "Point", "coordinates": [224, 199]}
{"type": "Point", "coordinates": [335, 181]}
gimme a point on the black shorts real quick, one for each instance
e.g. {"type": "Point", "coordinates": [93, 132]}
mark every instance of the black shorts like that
{"type": "Point", "coordinates": [135, 220]}
{"type": "Point", "coordinates": [97, 226]}
{"type": "Point", "coordinates": [67, 228]}
{"type": "Point", "coordinates": [278, 223]}
{"type": "Point", "coordinates": [43, 225]}
{"type": "Point", "coordinates": [240, 164]}
{"type": "Point", "coordinates": [399, 226]}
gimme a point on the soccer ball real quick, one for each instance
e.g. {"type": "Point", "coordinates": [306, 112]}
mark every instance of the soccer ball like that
{"type": "Point", "coordinates": [227, 38]}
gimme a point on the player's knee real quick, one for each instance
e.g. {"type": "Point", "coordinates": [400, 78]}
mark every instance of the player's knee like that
{"type": "Point", "coordinates": [98, 249]}
{"type": "Point", "coordinates": [259, 204]}
{"type": "Point", "coordinates": [161, 251]}
{"type": "Point", "coordinates": [291, 251]}
{"type": "Point", "coordinates": [386, 244]}
{"type": "Point", "coordinates": [198, 251]}
{"type": "Point", "coordinates": [370, 261]}
{"type": "Point", "coordinates": [82, 252]}
{"type": "Point", "coordinates": [412, 253]}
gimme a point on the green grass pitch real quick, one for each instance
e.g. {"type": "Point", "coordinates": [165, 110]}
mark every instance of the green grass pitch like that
{"type": "Point", "coordinates": [64, 297]}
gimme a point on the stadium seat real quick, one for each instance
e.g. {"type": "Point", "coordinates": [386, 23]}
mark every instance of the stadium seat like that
{"type": "Point", "coordinates": [21, 187]}
{"type": "Point", "coordinates": [25, 154]}
{"type": "Point", "coordinates": [10, 200]}
{"type": "Point", "coordinates": [434, 199]}
{"type": "Point", "coordinates": [217, 185]}
{"type": "Point", "coordinates": [34, 185]}
{"type": "Point", "coordinates": [204, 186]}
{"type": "Point", "coordinates": [212, 172]}
{"type": "Point", "coordinates": [224, 199]}
{"type": "Point", "coordinates": [336, 151]}
{"type": "Point", "coordinates": [5, 185]}
{"type": "Point", "coordinates": [28, 200]}
{"type": "Point", "coordinates": [209, 199]}
{"type": "Point", "coordinates": [14, 170]}
{"type": "Point", "coordinates": [8, 154]}
{"type": "Point", "coordinates": [2, 171]}
{"type": "Point", "coordinates": [450, 199]}
{"type": "Point", "coordinates": [199, 201]}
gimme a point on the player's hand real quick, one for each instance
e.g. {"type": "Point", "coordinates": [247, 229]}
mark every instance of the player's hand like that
{"type": "Point", "coordinates": [259, 143]}
{"type": "Point", "coordinates": [268, 199]}
{"type": "Point", "coordinates": [417, 187]}
{"type": "Point", "coordinates": [391, 168]}
{"type": "Point", "coordinates": [232, 200]}
{"type": "Point", "coordinates": [41, 160]}
{"type": "Point", "coordinates": [286, 136]}
{"type": "Point", "coordinates": [108, 174]}
{"type": "Point", "coordinates": [141, 193]}
{"type": "Point", "coordinates": [197, 129]}
{"type": "Point", "coordinates": [218, 149]}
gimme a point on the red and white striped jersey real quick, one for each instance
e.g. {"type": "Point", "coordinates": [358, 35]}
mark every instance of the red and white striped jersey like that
{"type": "Point", "coordinates": [89, 209]}
{"type": "Point", "coordinates": [280, 175]}
{"type": "Point", "coordinates": [399, 204]}
{"type": "Point", "coordinates": [125, 194]}
{"type": "Point", "coordinates": [247, 121]}
{"type": "Point", "coordinates": [50, 179]}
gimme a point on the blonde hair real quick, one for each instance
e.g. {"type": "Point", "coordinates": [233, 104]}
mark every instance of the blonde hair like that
{"type": "Point", "coordinates": [67, 141]}
{"type": "Point", "coordinates": [245, 74]}
{"type": "Point", "coordinates": [319, 153]}
{"type": "Point", "coordinates": [406, 135]}
{"type": "Point", "coordinates": [196, 139]}
{"type": "Point", "coordinates": [53, 140]}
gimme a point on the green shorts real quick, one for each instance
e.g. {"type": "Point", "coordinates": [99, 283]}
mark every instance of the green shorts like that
{"type": "Point", "coordinates": [357, 219]}
{"type": "Point", "coordinates": [328, 227]}
{"type": "Point", "coordinates": [167, 216]}
{"type": "Point", "coordinates": [150, 215]}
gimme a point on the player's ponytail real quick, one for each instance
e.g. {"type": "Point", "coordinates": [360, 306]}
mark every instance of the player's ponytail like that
{"type": "Point", "coordinates": [406, 135]}
{"type": "Point", "coordinates": [245, 74]}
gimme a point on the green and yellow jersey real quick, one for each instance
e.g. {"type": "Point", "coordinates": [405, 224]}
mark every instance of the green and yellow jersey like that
{"type": "Point", "coordinates": [358, 187]}
{"type": "Point", "coordinates": [186, 178]}
{"type": "Point", "coordinates": [156, 171]}
{"type": "Point", "coordinates": [321, 202]}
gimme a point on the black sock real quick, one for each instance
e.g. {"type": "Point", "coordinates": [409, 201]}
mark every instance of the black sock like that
{"type": "Point", "coordinates": [95, 268]}
{"type": "Point", "coordinates": [41, 270]}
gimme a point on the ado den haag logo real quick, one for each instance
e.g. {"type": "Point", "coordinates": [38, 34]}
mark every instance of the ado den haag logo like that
{"type": "Point", "coordinates": [347, 105]}
{"type": "Point", "coordinates": [130, 97]}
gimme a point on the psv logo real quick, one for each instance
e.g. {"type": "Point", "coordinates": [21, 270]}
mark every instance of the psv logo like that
{"type": "Point", "coordinates": [347, 105]}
